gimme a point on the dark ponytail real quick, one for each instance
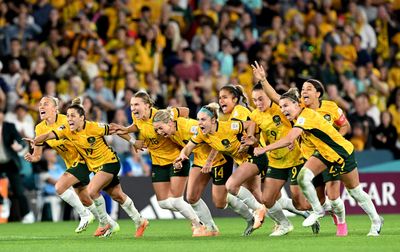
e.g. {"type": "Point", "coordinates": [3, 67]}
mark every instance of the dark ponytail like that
{"type": "Point", "coordinates": [77, 105]}
{"type": "Point", "coordinates": [237, 92]}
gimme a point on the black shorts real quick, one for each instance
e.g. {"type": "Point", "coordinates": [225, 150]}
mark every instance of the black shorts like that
{"type": "Point", "coordinates": [163, 173]}
{"type": "Point", "coordinates": [82, 173]}
{"type": "Point", "coordinates": [262, 164]}
{"type": "Point", "coordinates": [112, 168]}
{"type": "Point", "coordinates": [220, 174]}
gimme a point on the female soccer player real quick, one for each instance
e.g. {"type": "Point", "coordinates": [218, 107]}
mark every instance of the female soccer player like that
{"type": "Point", "coordinates": [180, 130]}
{"type": "Point", "coordinates": [331, 149]}
{"type": "Point", "coordinates": [88, 139]}
{"type": "Point", "coordinates": [168, 183]}
{"type": "Point", "coordinates": [77, 174]}
{"type": "Point", "coordinates": [282, 163]}
{"type": "Point", "coordinates": [312, 92]}
{"type": "Point", "coordinates": [234, 107]}
{"type": "Point", "coordinates": [224, 137]}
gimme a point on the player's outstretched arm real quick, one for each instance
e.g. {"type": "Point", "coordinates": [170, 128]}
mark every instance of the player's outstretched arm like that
{"type": "Point", "coordinates": [35, 156]}
{"type": "Point", "coordinates": [293, 134]}
{"type": "Point", "coordinates": [260, 76]}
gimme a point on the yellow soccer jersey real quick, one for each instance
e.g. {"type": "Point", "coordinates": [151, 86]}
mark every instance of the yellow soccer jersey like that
{"type": "Point", "coordinates": [274, 126]}
{"type": "Point", "coordinates": [185, 129]}
{"type": "Point", "coordinates": [225, 139]}
{"type": "Point", "coordinates": [162, 150]}
{"type": "Point", "coordinates": [325, 138]}
{"type": "Point", "coordinates": [91, 144]}
{"type": "Point", "coordinates": [331, 113]}
{"type": "Point", "coordinates": [63, 147]}
{"type": "Point", "coordinates": [239, 113]}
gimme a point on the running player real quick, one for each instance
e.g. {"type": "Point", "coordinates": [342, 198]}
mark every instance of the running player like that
{"type": "Point", "coordinates": [225, 137]}
{"type": "Point", "coordinates": [234, 107]}
{"type": "Point", "coordinates": [76, 175]}
{"type": "Point", "coordinates": [331, 149]}
{"type": "Point", "coordinates": [88, 139]}
{"type": "Point", "coordinates": [312, 92]}
{"type": "Point", "coordinates": [180, 131]}
{"type": "Point", "coordinates": [168, 183]}
{"type": "Point", "coordinates": [282, 163]}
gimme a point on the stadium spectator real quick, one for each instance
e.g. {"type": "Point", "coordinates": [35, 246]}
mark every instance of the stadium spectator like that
{"type": "Point", "coordinates": [365, 124]}
{"type": "Point", "coordinates": [10, 144]}
{"type": "Point", "coordinates": [386, 134]}
{"type": "Point", "coordinates": [135, 165]}
{"type": "Point", "coordinates": [102, 97]}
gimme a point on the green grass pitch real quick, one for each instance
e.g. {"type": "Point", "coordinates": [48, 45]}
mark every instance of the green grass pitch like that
{"type": "Point", "coordinates": [175, 235]}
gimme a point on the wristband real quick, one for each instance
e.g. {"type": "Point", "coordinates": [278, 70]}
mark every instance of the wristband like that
{"type": "Point", "coordinates": [132, 141]}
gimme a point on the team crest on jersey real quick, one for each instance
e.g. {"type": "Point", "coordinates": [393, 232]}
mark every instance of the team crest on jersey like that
{"type": "Point", "coordinates": [91, 140]}
{"type": "Point", "coordinates": [226, 143]}
{"type": "Point", "coordinates": [277, 120]}
{"type": "Point", "coordinates": [61, 127]}
{"type": "Point", "coordinates": [185, 141]}
{"type": "Point", "coordinates": [327, 117]}
{"type": "Point", "coordinates": [235, 126]}
{"type": "Point", "coordinates": [193, 129]}
{"type": "Point", "coordinates": [301, 121]}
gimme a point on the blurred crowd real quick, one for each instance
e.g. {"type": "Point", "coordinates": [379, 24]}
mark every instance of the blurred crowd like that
{"type": "Point", "coordinates": [183, 51]}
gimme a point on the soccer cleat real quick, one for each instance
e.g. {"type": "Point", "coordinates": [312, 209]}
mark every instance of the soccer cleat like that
{"type": "Point", "coordinates": [214, 230]}
{"type": "Point", "coordinates": [84, 223]}
{"type": "Point", "coordinates": [341, 229]}
{"type": "Point", "coordinates": [100, 231]}
{"type": "Point", "coordinates": [140, 230]}
{"type": "Point", "coordinates": [316, 227]}
{"type": "Point", "coordinates": [282, 230]}
{"type": "Point", "coordinates": [259, 216]}
{"type": "Point", "coordinates": [29, 218]}
{"type": "Point", "coordinates": [312, 219]}
{"type": "Point", "coordinates": [249, 229]}
{"type": "Point", "coordinates": [114, 229]}
{"type": "Point", "coordinates": [199, 231]}
{"type": "Point", "coordinates": [376, 227]}
{"type": "Point", "coordinates": [275, 227]}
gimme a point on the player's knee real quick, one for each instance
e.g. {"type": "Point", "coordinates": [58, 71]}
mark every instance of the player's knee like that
{"type": "Point", "coordinates": [60, 189]}
{"type": "Point", "coordinates": [332, 195]}
{"type": "Point", "coordinates": [92, 193]}
{"type": "Point", "coordinates": [232, 187]}
{"type": "Point", "coordinates": [268, 201]}
{"type": "Point", "coordinates": [192, 198]}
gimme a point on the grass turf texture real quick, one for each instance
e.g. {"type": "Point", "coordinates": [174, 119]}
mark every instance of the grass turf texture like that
{"type": "Point", "coordinates": [175, 235]}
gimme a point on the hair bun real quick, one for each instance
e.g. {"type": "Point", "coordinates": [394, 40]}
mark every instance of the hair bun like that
{"type": "Point", "coordinates": [76, 101]}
